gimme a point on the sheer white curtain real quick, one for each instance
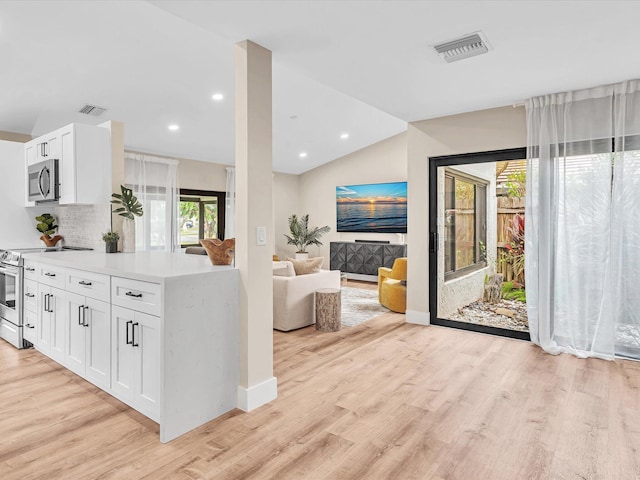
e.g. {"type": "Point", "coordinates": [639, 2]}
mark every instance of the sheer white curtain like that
{"type": "Point", "coordinates": [583, 221]}
{"type": "Point", "coordinates": [154, 180]}
{"type": "Point", "coordinates": [230, 204]}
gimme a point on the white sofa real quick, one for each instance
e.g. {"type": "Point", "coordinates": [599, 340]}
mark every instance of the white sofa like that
{"type": "Point", "coordinates": [294, 295]}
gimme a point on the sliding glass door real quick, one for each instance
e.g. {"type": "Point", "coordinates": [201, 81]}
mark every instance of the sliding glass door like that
{"type": "Point", "coordinates": [477, 242]}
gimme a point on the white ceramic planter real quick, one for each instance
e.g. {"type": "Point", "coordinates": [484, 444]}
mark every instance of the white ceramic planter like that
{"type": "Point", "coordinates": [128, 236]}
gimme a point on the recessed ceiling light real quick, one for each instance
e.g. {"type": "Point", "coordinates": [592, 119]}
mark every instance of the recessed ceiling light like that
{"type": "Point", "coordinates": [344, 136]}
{"type": "Point", "coordinates": [217, 97]}
{"type": "Point", "coordinates": [174, 127]}
{"type": "Point", "coordinates": [303, 155]}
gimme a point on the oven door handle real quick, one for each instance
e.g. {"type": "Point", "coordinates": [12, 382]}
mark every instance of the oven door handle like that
{"type": "Point", "coordinates": [8, 271]}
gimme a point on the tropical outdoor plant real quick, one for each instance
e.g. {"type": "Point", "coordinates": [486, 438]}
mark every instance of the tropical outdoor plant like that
{"type": "Point", "coordinates": [514, 254]}
{"type": "Point", "coordinates": [190, 210]}
{"type": "Point", "coordinates": [301, 235]}
{"type": "Point", "coordinates": [46, 224]}
{"type": "Point", "coordinates": [130, 206]}
{"type": "Point", "coordinates": [516, 184]}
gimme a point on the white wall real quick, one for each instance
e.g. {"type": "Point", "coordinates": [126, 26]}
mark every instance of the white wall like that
{"type": "Point", "coordinates": [385, 161]}
{"type": "Point", "coordinates": [197, 175]}
{"type": "Point", "coordinates": [286, 196]}
{"type": "Point", "coordinates": [486, 130]}
{"type": "Point", "coordinates": [17, 223]}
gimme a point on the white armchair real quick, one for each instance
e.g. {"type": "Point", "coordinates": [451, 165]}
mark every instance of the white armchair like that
{"type": "Point", "coordinates": [294, 295]}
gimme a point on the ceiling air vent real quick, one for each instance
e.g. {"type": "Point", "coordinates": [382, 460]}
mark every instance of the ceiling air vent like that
{"type": "Point", "coordinates": [92, 110]}
{"type": "Point", "coordinates": [464, 47]}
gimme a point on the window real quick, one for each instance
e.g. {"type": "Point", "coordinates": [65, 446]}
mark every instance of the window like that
{"type": "Point", "coordinates": [465, 223]}
{"type": "Point", "coordinates": [201, 215]}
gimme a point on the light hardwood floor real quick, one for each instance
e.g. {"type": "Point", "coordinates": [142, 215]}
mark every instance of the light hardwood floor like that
{"type": "Point", "coordinates": [384, 400]}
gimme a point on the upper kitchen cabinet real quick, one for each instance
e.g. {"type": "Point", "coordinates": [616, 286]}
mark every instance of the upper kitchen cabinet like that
{"type": "Point", "coordinates": [84, 162]}
{"type": "Point", "coordinates": [42, 148]}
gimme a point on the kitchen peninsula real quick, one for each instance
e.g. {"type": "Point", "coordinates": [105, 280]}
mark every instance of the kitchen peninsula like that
{"type": "Point", "coordinates": [159, 331]}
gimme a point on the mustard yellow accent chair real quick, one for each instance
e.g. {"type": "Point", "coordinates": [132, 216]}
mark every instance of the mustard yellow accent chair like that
{"type": "Point", "coordinates": [392, 286]}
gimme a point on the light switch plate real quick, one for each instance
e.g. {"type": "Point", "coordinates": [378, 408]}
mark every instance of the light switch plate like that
{"type": "Point", "coordinates": [261, 235]}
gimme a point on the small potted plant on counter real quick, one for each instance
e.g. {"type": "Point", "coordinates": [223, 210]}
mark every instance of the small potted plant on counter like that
{"type": "Point", "coordinates": [46, 226]}
{"type": "Point", "coordinates": [110, 239]}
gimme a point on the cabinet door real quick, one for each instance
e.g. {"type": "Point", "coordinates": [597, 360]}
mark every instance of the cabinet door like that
{"type": "Point", "coordinates": [98, 345]}
{"type": "Point", "coordinates": [30, 330]}
{"type": "Point", "coordinates": [67, 165]}
{"type": "Point", "coordinates": [58, 312]}
{"type": "Point", "coordinates": [30, 152]}
{"type": "Point", "coordinates": [75, 347]}
{"type": "Point", "coordinates": [146, 343]}
{"type": "Point", "coordinates": [122, 354]}
{"type": "Point", "coordinates": [43, 329]}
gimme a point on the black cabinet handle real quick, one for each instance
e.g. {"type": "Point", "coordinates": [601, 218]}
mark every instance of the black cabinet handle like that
{"type": "Point", "coordinates": [82, 282]}
{"type": "Point", "coordinates": [133, 335]}
{"type": "Point", "coordinates": [80, 322]}
{"type": "Point", "coordinates": [135, 295]}
{"type": "Point", "coordinates": [30, 295]}
{"type": "Point", "coordinates": [50, 297]}
{"type": "Point", "coordinates": [30, 269]}
{"type": "Point", "coordinates": [46, 302]}
{"type": "Point", "coordinates": [49, 274]}
{"type": "Point", "coordinates": [28, 325]}
{"type": "Point", "coordinates": [129, 322]}
{"type": "Point", "coordinates": [84, 316]}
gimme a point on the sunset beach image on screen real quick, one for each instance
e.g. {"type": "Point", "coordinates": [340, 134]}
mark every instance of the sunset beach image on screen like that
{"type": "Point", "coordinates": [374, 207]}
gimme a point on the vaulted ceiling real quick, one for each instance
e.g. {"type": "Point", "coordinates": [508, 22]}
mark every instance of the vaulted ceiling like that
{"type": "Point", "coordinates": [359, 67]}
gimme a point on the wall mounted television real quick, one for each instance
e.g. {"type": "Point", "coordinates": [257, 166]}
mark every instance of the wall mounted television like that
{"type": "Point", "coordinates": [373, 207]}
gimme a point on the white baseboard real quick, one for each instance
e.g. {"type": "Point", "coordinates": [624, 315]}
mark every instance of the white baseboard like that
{"type": "Point", "coordinates": [418, 318]}
{"type": "Point", "coordinates": [257, 395]}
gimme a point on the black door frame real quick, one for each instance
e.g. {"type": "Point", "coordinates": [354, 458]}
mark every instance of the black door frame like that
{"type": "Point", "coordinates": [452, 160]}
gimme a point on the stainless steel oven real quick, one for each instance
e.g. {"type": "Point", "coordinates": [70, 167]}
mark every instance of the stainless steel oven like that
{"type": "Point", "coordinates": [11, 281]}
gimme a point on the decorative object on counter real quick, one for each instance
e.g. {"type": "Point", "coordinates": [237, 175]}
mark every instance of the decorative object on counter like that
{"type": "Point", "coordinates": [302, 236]}
{"type": "Point", "coordinates": [110, 239]}
{"type": "Point", "coordinates": [220, 252]}
{"type": "Point", "coordinates": [130, 207]}
{"type": "Point", "coordinates": [46, 226]}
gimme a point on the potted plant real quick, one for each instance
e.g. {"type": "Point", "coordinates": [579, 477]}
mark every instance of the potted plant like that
{"type": "Point", "coordinates": [302, 236]}
{"type": "Point", "coordinates": [46, 226]}
{"type": "Point", "coordinates": [110, 239]}
{"type": "Point", "coordinates": [129, 208]}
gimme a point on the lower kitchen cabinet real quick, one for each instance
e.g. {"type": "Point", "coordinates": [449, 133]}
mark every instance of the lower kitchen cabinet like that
{"type": "Point", "coordinates": [135, 360]}
{"type": "Point", "coordinates": [88, 334]}
{"type": "Point", "coordinates": [51, 322]}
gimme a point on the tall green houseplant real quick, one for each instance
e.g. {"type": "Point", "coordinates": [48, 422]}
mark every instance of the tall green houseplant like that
{"type": "Point", "coordinates": [301, 235]}
{"type": "Point", "coordinates": [129, 208]}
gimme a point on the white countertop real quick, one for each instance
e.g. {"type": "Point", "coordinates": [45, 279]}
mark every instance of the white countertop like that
{"type": "Point", "coordinates": [147, 266]}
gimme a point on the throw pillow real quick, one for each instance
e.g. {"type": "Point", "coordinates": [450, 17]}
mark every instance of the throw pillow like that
{"type": "Point", "coordinates": [283, 269]}
{"type": "Point", "coordinates": [304, 267]}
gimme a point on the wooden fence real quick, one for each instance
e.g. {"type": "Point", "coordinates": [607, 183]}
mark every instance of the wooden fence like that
{"type": "Point", "coordinates": [508, 207]}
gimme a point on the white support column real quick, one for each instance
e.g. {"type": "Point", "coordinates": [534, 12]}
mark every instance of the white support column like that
{"type": "Point", "coordinates": [253, 211]}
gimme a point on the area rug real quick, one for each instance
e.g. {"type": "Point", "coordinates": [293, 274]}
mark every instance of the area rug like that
{"type": "Point", "coordinates": [359, 305]}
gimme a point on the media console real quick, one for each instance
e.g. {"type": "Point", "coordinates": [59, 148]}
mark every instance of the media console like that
{"type": "Point", "coordinates": [360, 260]}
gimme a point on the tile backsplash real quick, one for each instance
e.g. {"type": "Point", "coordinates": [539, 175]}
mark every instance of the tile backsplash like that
{"type": "Point", "coordinates": [83, 225]}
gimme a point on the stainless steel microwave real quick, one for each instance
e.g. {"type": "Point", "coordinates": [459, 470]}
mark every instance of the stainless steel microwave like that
{"type": "Point", "coordinates": [44, 181]}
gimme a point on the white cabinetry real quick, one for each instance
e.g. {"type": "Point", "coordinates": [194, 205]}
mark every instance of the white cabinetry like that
{"type": "Point", "coordinates": [135, 360]}
{"type": "Point", "coordinates": [157, 331]}
{"type": "Point", "coordinates": [84, 162]}
{"type": "Point", "coordinates": [30, 311]}
{"type": "Point", "coordinates": [51, 310]}
{"type": "Point", "coordinates": [88, 346]}
{"type": "Point", "coordinates": [51, 322]}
